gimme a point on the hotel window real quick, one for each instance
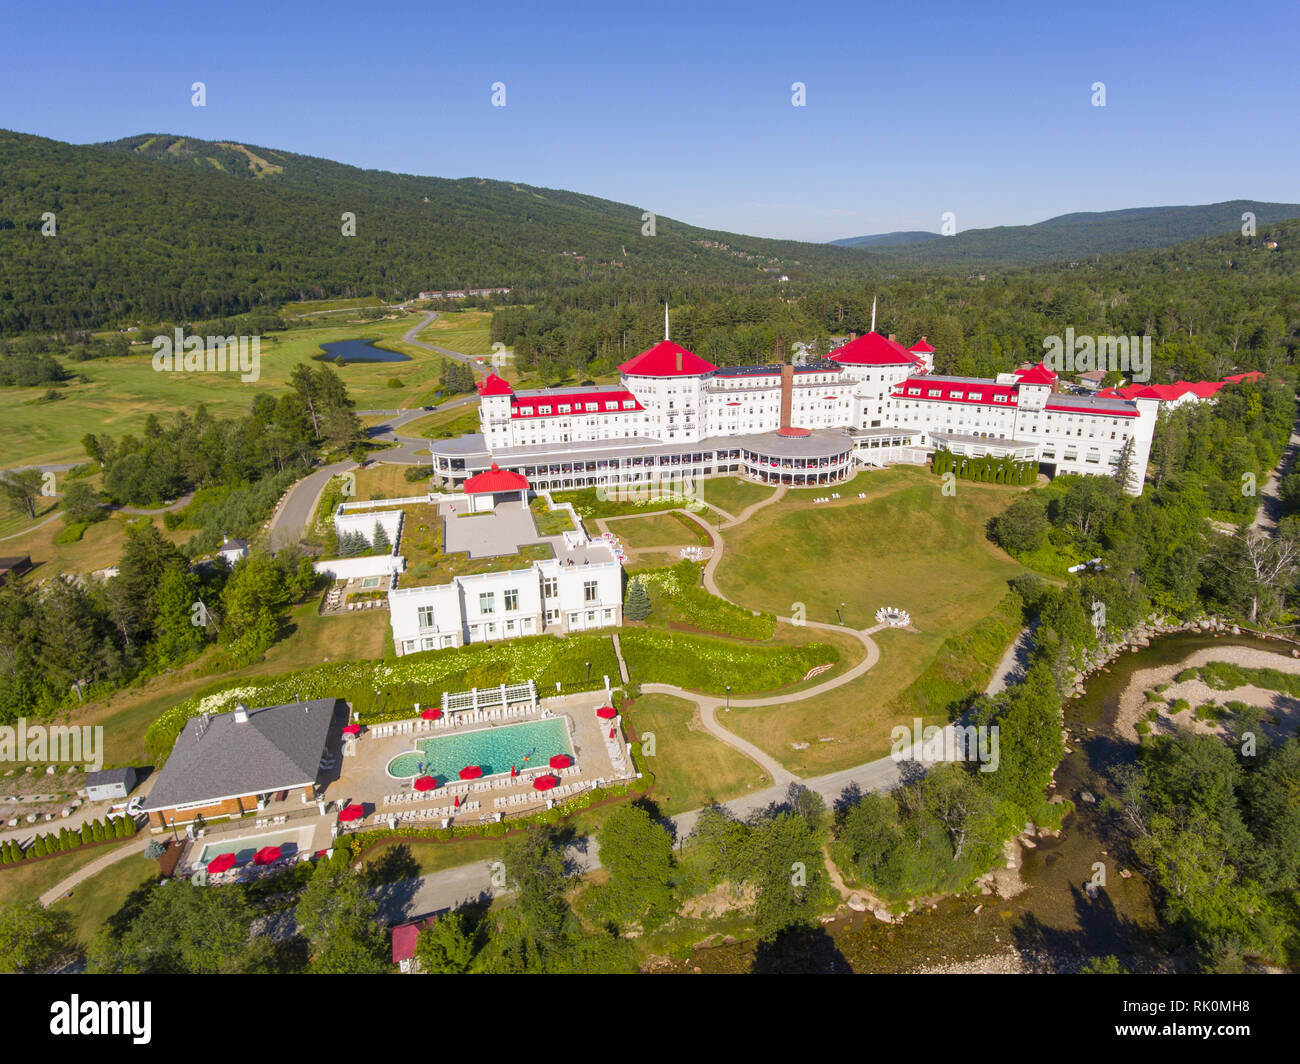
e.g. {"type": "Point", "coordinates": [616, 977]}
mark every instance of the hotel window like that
{"type": "Point", "coordinates": [511, 600]}
{"type": "Point", "coordinates": [550, 586]}
{"type": "Point", "coordinates": [591, 407]}
{"type": "Point", "coordinates": [565, 408]}
{"type": "Point", "coordinates": [954, 395]}
{"type": "Point", "coordinates": [486, 602]}
{"type": "Point", "coordinates": [425, 614]}
{"type": "Point", "coordinates": [543, 409]}
{"type": "Point", "coordinates": [611, 406]}
{"type": "Point", "coordinates": [589, 591]}
{"type": "Point", "coordinates": [526, 411]}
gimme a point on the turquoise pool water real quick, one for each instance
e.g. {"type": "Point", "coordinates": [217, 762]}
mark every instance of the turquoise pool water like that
{"type": "Point", "coordinates": [492, 749]}
{"type": "Point", "coordinates": [245, 848]}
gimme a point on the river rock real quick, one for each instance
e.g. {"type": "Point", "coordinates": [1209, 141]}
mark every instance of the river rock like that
{"type": "Point", "coordinates": [857, 904]}
{"type": "Point", "coordinates": [1088, 796]}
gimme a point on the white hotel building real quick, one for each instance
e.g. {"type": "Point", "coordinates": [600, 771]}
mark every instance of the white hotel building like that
{"type": "Point", "coordinates": [870, 402]}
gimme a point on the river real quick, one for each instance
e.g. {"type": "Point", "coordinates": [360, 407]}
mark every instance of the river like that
{"type": "Point", "coordinates": [1052, 925]}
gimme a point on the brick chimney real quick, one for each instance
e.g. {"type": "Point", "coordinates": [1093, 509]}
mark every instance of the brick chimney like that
{"type": "Point", "coordinates": [679, 362]}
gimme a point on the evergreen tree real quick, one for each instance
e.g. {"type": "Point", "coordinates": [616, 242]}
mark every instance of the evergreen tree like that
{"type": "Point", "coordinates": [380, 541]}
{"type": "Point", "coordinates": [636, 607]}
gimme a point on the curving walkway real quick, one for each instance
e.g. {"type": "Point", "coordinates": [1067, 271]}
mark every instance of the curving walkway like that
{"type": "Point", "coordinates": [118, 853]}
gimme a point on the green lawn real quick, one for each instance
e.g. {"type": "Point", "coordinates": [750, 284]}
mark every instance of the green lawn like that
{"type": "Point", "coordinates": [121, 392]}
{"type": "Point", "coordinates": [905, 545]}
{"type": "Point", "coordinates": [657, 530]}
{"type": "Point", "coordinates": [731, 494]}
{"type": "Point", "coordinates": [444, 424]}
{"type": "Point", "coordinates": [691, 768]}
{"type": "Point", "coordinates": [465, 331]}
{"type": "Point", "coordinates": [100, 896]}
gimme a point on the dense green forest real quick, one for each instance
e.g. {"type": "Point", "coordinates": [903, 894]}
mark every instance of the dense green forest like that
{"type": "Point", "coordinates": [1210, 306]}
{"type": "Point", "coordinates": [1076, 236]}
{"type": "Point", "coordinates": [161, 228]}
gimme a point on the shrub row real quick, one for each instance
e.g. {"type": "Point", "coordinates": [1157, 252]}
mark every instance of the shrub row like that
{"type": "Point", "coordinates": [66, 839]}
{"type": "Point", "coordinates": [389, 690]}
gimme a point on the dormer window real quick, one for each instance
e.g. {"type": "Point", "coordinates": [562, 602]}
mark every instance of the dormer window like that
{"type": "Point", "coordinates": [629, 404]}
{"type": "Point", "coordinates": [526, 411]}
{"type": "Point", "coordinates": [565, 408]}
{"type": "Point", "coordinates": [544, 410]}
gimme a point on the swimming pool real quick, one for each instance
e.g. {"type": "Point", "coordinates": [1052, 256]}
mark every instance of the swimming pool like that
{"type": "Point", "coordinates": [494, 750]}
{"type": "Point", "coordinates": [245, 848]}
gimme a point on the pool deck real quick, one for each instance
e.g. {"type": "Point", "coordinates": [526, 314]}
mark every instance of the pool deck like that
{"type": "Point", "coordinates": [364, 777]}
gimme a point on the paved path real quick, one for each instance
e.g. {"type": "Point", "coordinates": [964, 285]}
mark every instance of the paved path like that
{"type": "Point", "coordinates": [32, 528]}
{"type": "Point", "coordinates": [117, 853]}
{"type": "Point", "coordinates": [1270, 498]}
{"type": "Point", "coordinates": [411, 336]}
{"type": "Point", "coordinates": [1015, 661]}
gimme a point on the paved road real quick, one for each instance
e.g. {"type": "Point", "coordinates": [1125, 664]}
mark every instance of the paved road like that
{"type": "Point", "coordinates": [1270, 498]}
{"type": "Point", "coordinates": [411, 337]}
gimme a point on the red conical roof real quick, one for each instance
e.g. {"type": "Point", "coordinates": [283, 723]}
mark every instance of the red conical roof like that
{"type": "Point", "coordinates": [667, 359]}
{"type": "Point", "coordinates": [872, 349]}
{"type": "Point", "coordinates": [494, 385]}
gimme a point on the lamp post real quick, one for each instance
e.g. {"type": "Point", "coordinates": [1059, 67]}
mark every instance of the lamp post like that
{"type": "Point", "coordinates": [728, 698]}
{"type": "Point", "coordinates": [840, 613]}
{"type": "Point", "coordinates": [588, 670]}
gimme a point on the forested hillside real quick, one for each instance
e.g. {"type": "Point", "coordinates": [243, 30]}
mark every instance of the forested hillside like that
{"type": "Point", "coordinates": [1074, 237]}
{"type": "Point", "coordinates": [161, 228]}
{"type": "Point", "coordinates": [1210, 305]}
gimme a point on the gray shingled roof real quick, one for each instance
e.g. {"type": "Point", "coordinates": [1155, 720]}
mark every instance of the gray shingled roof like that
{"type": "Point", "coordinates": [277, 747]}
{"type": "Point", "coordinates": [110, 776]}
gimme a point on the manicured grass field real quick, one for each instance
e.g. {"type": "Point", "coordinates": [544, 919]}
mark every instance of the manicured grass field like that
{"type": "Point", "coordinates": [465, 331]}
{"type": "Point", "coordinates": [657, 530]}
{"type": "Point", "coordinates": [443, 424]}
{"type": "Point", "coordinates": [905, 545]}
{"type": "Point", "coordinates": [691, 768]}
{"type": "Point", "coordinates": [387, 480]}
{"type": "Point", "coordinates": [22, 884]}
{"type": "Point", "coordinates": [730, 493]}
{"type": "Point", "coordinates": [122, 392]}
{"type": "Point", "coordinates": [708, 664]}
{"type": "Point", "coordinates": [99, 897]}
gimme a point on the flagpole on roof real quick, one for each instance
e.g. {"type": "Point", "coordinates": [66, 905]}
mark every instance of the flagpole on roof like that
{"type": "Point", "coordinates": [665, 319]}
{"type": "Point", "coordinates": [873, 313]}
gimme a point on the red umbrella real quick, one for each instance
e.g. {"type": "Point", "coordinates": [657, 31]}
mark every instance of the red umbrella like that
{"type": "Point", "coordinates": [352, 729]}
{"type": "Point", "coordinates": [352, 812]}
{"type": "Point", "coordinates": [561, 761]}
{"type": "Point", "coordinates": [425, 783]}
{"type": "Point", "coordinates": [267, 855]}
{"type": "Point", "coordinates": [431, 714]}
{"type": "Point", "coordinates": [471, 772]}
{"type": "Point", "coordinates": [457, 801]}
{"type": "Point", "coordinates": [607, 713]}
{"type": "Point", "coordinates": [514, 771]}
{"type": "Point", "coordinates": [544, 783]}
{"type": "Point", "coordinates": [221, 862]}
{"type": "Point", "coordinates": [611, 733]}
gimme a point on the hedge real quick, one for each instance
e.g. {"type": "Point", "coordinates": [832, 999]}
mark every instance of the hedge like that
{"type": "Point", "coordinates": [388, 690]}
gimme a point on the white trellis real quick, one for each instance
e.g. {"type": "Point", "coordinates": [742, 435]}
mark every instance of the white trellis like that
{"type": "Point", "coordinates": [505, 696]}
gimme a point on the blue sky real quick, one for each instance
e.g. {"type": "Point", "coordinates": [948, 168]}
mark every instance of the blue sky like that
{"type": "Point", "coordinates": [913, 109]}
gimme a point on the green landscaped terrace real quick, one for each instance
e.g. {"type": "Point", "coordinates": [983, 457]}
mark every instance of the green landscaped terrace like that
{"type": "Point", "coordinates": [426, 563]}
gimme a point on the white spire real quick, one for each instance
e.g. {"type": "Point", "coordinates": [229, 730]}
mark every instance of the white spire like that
{"type": "Point", "coordinates": [873, 313]}
{"type": "Point", "coordinates": [665, 319]}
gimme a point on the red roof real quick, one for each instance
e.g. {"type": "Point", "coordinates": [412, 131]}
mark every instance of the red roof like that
{"type": "Point", "coordinates": [1164, 392]}
{"type": "Point", "coordinates": [495, 479]}
{"type": "Point", "coordinates": [872, 349]}
{"type": "Point", "coordinates": [494, 385]}
{"type": "Point", "coordinates": [404, 939]}
{"type": "Point", "coordinates": [970, 393]}
{"type": "Point", "coordinates": [1237, 378]}
{"type": "Point", "coordinates": [531, 406]}
{"type": "Point", "coordinates": [1040, 374]}
{"type": "Point", "coordinates": [921, 347]}
{"type": "Point", "coordinates": [667, 359]}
